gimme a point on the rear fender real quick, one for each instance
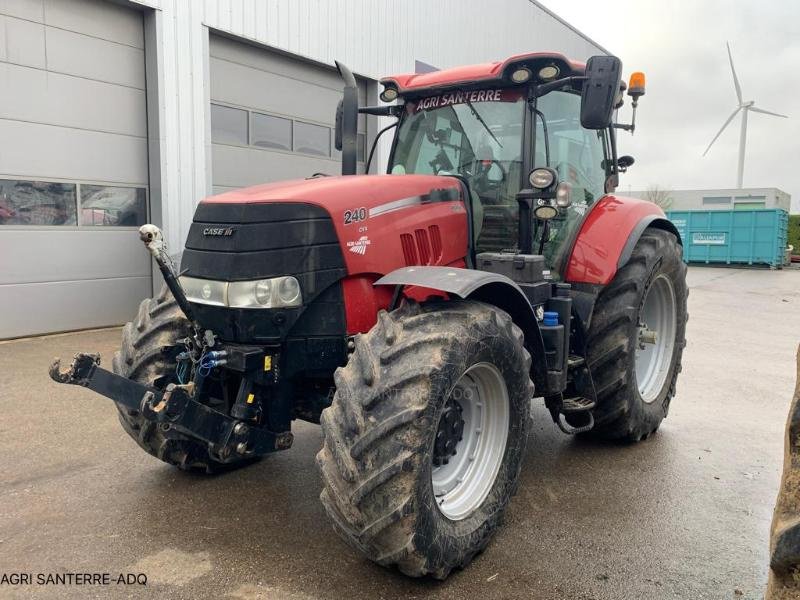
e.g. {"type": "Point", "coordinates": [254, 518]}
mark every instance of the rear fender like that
{"type": "Point", "coordinates": [608, 236]}
{"type": "Point", "coordinates": [491, 288]}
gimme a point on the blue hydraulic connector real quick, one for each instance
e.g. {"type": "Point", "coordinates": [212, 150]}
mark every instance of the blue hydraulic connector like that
{"type": "Point", "coordinates": [550, 318]}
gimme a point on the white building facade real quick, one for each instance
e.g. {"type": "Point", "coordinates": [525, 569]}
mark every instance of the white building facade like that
{"type": "Point", "coordinates": [719, 199]}
{"type": "Point", "coordinates": [116, 113]}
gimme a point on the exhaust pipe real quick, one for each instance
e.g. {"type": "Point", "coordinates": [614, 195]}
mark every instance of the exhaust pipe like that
{"type": "Point", "coordinates": [347, 121]}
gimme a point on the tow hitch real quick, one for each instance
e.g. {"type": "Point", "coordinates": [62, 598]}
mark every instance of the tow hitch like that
{"type": "Point", "coordinates": [227, 437]}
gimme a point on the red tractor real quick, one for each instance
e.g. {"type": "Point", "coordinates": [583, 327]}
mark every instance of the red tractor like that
{"type": "Point", "coordinates": [416, 314]}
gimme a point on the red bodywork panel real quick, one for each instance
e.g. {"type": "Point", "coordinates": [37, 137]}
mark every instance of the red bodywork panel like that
{"type": "Point", "coordinates": [383, 222]}
{"type": "Point", "coordinates": [602, 238]}
{"type": "Point", "coordinates": [481, 73]}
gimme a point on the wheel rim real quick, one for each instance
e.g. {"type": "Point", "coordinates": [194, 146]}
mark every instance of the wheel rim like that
{"type": "Point", "coordinates": [464, 474]}
{"type": "Point", "coordinates": [655, 338]}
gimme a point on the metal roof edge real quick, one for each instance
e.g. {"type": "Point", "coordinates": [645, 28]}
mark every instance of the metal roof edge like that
{"type": "Point", "coordinates": [568, 25]}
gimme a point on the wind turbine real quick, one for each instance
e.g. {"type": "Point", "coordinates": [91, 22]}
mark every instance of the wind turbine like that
{"type": "Point", "coordinates": [744, 107]}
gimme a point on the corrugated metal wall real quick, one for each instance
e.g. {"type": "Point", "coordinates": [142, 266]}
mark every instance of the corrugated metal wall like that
{"type": "Point", "coordinates": [373, 37]}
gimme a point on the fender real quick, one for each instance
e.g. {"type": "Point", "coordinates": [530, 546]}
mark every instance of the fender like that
{"type": "Point", "coordinates": [491, 288]}
{"type": "Point", "coordinates": [608, 235]}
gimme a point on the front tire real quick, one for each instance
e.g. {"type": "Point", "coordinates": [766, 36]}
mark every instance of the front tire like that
{"type": "Point", "coordinates": [635, 372]}
{"type": "Point", "coordinates": [159, 325]}
{"type": "Point", "coordinates": [392, 458]}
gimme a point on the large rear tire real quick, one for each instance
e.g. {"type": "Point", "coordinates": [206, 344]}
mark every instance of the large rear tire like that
{"type": "Point", "coordinates": [636, 339]}
{"type": "Point", "coordinates": [159, 325]}
{"type": "Point", "coordinates": [425, 437]}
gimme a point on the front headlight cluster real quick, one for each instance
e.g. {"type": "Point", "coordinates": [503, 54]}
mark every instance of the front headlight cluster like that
{"type": "Point", "coordinates": [277, 292]}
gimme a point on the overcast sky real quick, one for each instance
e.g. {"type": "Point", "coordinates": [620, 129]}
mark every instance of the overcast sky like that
{"type": "Point", "coordinates": [680, 45]}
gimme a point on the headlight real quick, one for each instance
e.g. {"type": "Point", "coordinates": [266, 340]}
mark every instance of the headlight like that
{"type": "Point", "coordinates": [276, 292]}
{"type": "Point", "coordinates": [521, 75]}
{"type": "Point", "coordinates": [545, 212]}
{"type": "Point", "coordinates": [264, 291]}
{"type": "Point", "coordinates": [288, 290]}
{"type": "Point", "coordinates": [564, 194]}
{"type": "Point", "coordinates": [542, 178]}
{"type": "Point", "coordinates": [389, 94]}
{"type": "Point", "coordinates": [204, 291]}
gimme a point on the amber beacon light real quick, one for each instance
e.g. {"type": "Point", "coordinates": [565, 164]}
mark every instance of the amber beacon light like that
{"type": "Point", "coordinates": [636, 84]}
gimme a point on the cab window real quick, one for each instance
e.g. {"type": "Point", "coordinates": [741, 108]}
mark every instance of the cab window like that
{"type": "Point", "coordinates": [575, 153]}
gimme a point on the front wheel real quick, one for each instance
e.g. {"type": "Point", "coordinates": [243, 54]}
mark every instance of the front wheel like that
{"type": "Point", "coordinates": [425, 437]}
{"type": "Point", "coordinates": [636, 339]}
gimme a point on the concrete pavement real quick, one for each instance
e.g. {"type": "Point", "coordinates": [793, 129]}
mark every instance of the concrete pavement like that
{"type": "Point", "coordinates": [685, 514]}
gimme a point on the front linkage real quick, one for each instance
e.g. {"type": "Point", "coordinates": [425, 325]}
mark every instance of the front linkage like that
{"type": "Point", "coordinates": [230, 439]}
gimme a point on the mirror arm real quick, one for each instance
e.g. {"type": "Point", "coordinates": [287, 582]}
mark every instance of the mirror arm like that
{"type": "Point", "coordinates": [546, 88]}
{"type": "Point", "coordinates": [632, 125]}
{"type": "Point", "coordinates": [393, 110]}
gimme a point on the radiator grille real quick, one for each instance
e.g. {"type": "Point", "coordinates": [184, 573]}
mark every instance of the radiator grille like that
{"type": "Point", "coordinates": [424, 247]}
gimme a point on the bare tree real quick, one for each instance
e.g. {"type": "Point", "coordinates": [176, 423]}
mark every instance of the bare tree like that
{"type": "Point", "coordinates": [659, 196]}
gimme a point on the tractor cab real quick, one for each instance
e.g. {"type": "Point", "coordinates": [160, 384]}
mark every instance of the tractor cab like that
{"type": "Point", "coordinates": [494, 125]}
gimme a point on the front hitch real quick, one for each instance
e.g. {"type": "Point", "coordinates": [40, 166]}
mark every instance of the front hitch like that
{"type": "Point", "coordinates": [175, 407]}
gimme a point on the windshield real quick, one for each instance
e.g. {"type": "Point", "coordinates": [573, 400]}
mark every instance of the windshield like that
{"type": "Point", "coordinates": [477, 135]}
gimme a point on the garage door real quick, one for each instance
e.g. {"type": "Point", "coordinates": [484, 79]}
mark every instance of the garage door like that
{"type": "Point", "coordinates": [73, 165]}
{"type": "Point", "coordinates": [272, 116]}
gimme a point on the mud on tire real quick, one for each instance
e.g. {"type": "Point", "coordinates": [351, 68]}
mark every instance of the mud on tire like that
{"type": "Point", "coordinates": [158, 325]}
{"type": "Point", "coordinates": [621, 412]}
{"type": "Point", "coordinates": [379, 433]}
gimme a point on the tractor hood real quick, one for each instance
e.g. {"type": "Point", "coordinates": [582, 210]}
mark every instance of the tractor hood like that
{"type": "Point", "coordinates": [365, 215]}
{"type": "Point", "coordinates": [340, 194]}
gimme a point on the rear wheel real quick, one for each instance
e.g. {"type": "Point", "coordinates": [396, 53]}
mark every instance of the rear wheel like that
{"type": "Point", "coordinates": [426, 434]}
{"type": "Point", "coordinates": [159, 325]}
{"type": "Point", "coordinates": [636, 339]}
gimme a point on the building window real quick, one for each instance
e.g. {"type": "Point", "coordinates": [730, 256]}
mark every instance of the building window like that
{"type": "Point", "coordinates": [361, 149]}
{"type": "Point", "coordinates": [106, 205]}
{"type": "Point", "coordinates": [716, 199]}
{"type": "Point", "coordinates": [271, 132]}
{"type": "Point", "coordinates": [312, 139]}
{"type": "Point", "coordinates": [37, 203]}
{"type": "Point", "coordinates": [228, 125]}
{"type": "Point", "coordinates": [749, 205]}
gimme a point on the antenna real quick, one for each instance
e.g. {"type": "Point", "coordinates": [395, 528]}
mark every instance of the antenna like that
{"type": "Point", "coordinates": [743, 106]}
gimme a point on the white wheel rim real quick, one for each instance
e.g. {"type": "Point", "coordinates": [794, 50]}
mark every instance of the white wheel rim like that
{"type": "Point", "coordinates": [461, 485]}
{"type": "Point", "coordinates": [655, 338]}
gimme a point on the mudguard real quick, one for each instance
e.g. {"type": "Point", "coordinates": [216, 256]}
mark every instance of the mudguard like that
{"type": "Point", "coordinates": [492, 288]}
{"type": "Point", "coordinates": [608, 235]}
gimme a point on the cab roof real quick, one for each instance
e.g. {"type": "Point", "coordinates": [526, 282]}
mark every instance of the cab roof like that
{"type": "Point", "coordinates": [482, 75]}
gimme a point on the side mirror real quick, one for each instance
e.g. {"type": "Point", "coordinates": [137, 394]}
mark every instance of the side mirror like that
{"type": "Point", "coordinates": [600, 89]}
{"type": "Point", "coordinates": [624, 161]}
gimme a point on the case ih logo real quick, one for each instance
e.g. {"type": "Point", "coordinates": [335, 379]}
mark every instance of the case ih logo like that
{"type": "Point", "coordinates": [218, 231]}
{"type": "Point", "coordinates": [359, 246]}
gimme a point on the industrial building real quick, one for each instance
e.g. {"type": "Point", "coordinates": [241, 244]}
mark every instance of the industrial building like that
{"type": "Point", "coordinates": [719, 199]}
{"type": "Point", "coordinates": [117, 113]}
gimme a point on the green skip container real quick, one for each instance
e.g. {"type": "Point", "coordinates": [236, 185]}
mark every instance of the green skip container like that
{"type": "Point", "coordinates": [748, 237]}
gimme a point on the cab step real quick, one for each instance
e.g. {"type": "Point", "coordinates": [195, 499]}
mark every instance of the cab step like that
{"type": "Point", "coordinates": [576, 406]}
